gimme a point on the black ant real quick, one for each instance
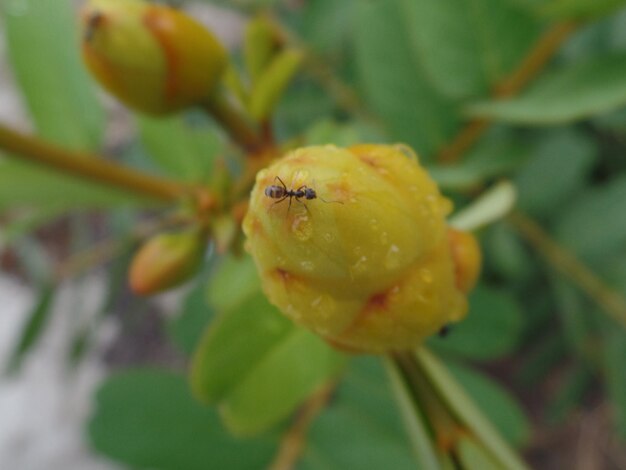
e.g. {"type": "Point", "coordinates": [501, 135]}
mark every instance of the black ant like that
{"type": "Point", "coordinates": [93, 22]}
{"type": "Point", "coordinates": [281, 193]}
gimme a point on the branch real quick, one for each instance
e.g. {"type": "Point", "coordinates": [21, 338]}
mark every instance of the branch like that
{"type": "Point", "coordinates": [528, 69]}
{"type": "Point", "coordinates": [90, 166]}
{"type": "Point", "coordinates": [569, 266]}
{"type": "Point", "coordinates": [293, 441]}
{"type": "Point", "coordinates": [234, 123]}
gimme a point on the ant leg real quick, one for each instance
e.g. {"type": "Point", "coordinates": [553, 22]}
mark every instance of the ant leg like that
{"type": "Point", "coordinates": [276, 202]}
{"type": "Point", "coordinates": [281, 182]}
{"type": "Point", "coordinates": [304, 204]}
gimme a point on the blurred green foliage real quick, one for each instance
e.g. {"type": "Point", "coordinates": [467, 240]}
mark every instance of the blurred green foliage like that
{"type": "Point", "coordinates": [413, 71]}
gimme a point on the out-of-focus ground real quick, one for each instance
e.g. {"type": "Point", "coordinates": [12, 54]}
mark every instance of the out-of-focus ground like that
{"type": "Point", "coordinates": [44, 407]}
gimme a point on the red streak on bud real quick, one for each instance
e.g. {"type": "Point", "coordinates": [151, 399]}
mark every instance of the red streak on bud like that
{"type": "Point", "coordinates": [163, 28]}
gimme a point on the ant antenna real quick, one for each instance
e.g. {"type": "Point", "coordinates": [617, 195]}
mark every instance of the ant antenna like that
{"type": "Point", "coordinates": [324, 200]}
{"type": "Point", "coordinates": [329, 202]}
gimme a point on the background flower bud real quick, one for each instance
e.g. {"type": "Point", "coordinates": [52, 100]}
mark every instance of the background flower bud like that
{"type": "Point", "coordinates": [165, 261]}
{"type": "Point", "coordinates": [153, 58]}
{"type": "Point", "coordinates": [367, 264]}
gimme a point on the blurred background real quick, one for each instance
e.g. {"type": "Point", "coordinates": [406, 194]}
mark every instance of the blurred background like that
{"type": "Point", "coordinates": [528, 91]}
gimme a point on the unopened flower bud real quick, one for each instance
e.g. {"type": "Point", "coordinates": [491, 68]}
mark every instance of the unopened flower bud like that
{"type": "Point", "coordinates": [467, 258]}
{"type": "Point", "coordinates": [353, 244]}
{"type": "Point", "coordinates": [166, 260]}
{"type": "Point", "coordinates": [153, 58]}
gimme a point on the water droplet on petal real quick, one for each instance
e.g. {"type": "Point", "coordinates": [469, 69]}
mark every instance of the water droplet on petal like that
{"type": "Point", "coordinates": [426, 275]}
{"type": "Point", "coordinates": [407, 151]}
{"type": "Point", "coordinates": [360, 266]}
{"type": "Point", "coordinates": [392, 259]}
{"type": "Point", "coordinates": [307, 265]}
{"type": "Point", "coordinates": [384, 238]}
{"type": "Point", "coordinates": [323, 305]}
{"type": "Point", "coordinates": [301, 227]}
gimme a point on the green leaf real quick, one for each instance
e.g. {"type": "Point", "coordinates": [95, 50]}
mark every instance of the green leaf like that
{"type": "Point", "coordinates": [394, 84]}
{"type": "Point", "coordinates": [546, 354]}
{"type": "Point", "coordinates": [43, 47]}
{"type": "Point", "coordinates": [272, 83]}
{"type": "Point", "coordinates": [234, 281]}
{"type": "Point", "coordinates": [414, 416]}
{"type": "Point", "coordinates": [495, 155]}
{"type": "Point", "coordinates": [280, 380]}
{"type": "Point", "coordinates": [491, 206]}
{"type": "Point", "coordinates": [570, 93]}
{"type": "Point", "coordinates": [497, 403]}
{"type": "Point", "coordinates": [361, 428]}
{"type": "Point", "coordinates": [473, 455]}
{"type": "Point", "coordinates": [467, 411]}
{"type": "Point", "coordinates": [564, 153]}
{"type": "Point", "coordinates": [187, 326]}
{"type": "Point", "coordinates": [615, 373]}
{"type": "Point", "coordinates": [325, 25]}
{"type": "Point", "coordinates": [301, 107]}
{"type": "Point", "coordinates": [25, 185]}
{"type": "Point", "coordinates": [465, 46]}
{"type": "Point", "coordinates": [580, 9]}
{"type": "Point", "coordinates": [33, 327]}
{"type": "Point", "coordinates": [328, 131]}
{"type": "Point", "coordinates": [492, 328]}
{"type": "Point", "coordinates": [182, 148]}
{"type": "Point", "coordinates": [148, 419]}
{"type": "Point", "coordinates": [573, 311]}
{"type": "Point", "coordinates": [254, 355]}
{"type": "Point", "coordinates": [573, 385]}
{"type": "Point", "coordinates": [505, 253]}
{"type": "Point", "coordinates": [258, 47]}
{"type": "Point", "coordinates": [234, 345]}
{"type": "Point", "coordinates": [593, 224]}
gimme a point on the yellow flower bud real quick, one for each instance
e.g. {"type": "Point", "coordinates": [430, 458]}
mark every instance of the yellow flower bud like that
{"type": "Point", "coordinates": [165, 261]}
{"type": "Point", "coordinates": [355, 246]}
{"type": "Point", "coordinates": [153, 58]}
{"type": "Point", "coordinates": [467, 258]}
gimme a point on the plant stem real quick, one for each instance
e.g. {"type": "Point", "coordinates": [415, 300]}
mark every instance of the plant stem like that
{"type": "Point", "coordinates": [234, 123]}
{"type": "Point", "coordinates": [90, 166]}
{"type": "Point", "coordinates": [465, 410]}
{"type": "Point", "coordinates": [294, 440]}
{"type": "Point", "coordinates": [569, 266]}
{"type": "Point", "coordinates": [343, 94]}
{"type": "Point", "coordinates": [412, 414]}
{"type": "Point", "coordinates": [530, 67]}
{"type": "Point", "coordinates": [536, 59]}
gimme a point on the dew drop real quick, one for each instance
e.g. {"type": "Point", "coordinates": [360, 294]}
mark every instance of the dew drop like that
{"type": "Point", "coordinates": [301, 227]}
{"type": "Point", "coordinates": [323, 305]}
{"type": "Point", "coordinates": [307, 265]}
{"type": "Point", "coordinates": [426, 275]}
{"type": "Point", "coordinates": [407, 151]}
{"type": "Point", "coordinates": [392, 259]}
{"type": "Point", "coordinates": [384, 238]}
{"type": "Point", "coordinates": [360, 266]}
